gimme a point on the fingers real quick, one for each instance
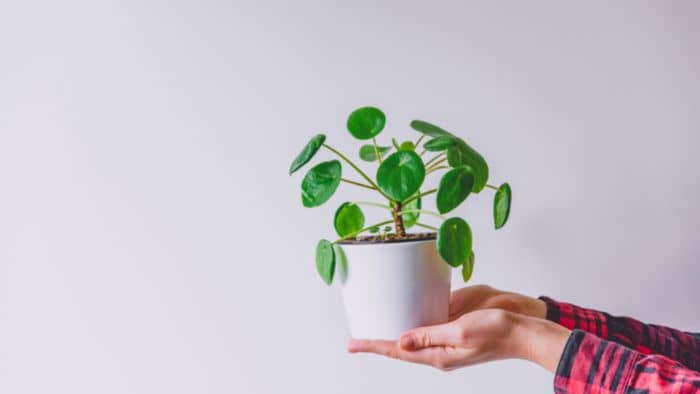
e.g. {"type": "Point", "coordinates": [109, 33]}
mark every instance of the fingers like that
{"type": "Point", "coordinates": [438, 357]}
{"type": "Point", "coordinates": [449, 334]}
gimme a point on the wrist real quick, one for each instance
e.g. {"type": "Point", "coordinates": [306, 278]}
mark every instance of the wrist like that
{"type": "Point", "coordinates": [539, 341]}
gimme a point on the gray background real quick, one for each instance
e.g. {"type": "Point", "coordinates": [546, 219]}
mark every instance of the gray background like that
{"type": "Point", "coordinates": [151, 240]}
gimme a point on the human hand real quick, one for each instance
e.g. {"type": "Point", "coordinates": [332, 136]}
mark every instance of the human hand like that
{"type": "Point", "coordinates": [472, 298]}
{"type": "Point", "coordinates": [475, 337]}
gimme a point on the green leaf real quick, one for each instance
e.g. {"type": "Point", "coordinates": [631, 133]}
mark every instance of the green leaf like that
{"type": "Point", "coordinates": [374, 229]}
{"type": "Point", "coordinates": [454, 241]}
{"type": "Point", "coordinates": [320, 183]}
{"type": "Point", "coordinates": [454, 188]}
{"type": "Point", "coordinates": [410, 219]}
{"type": "Point", "coordinates": [367, 152]}
{"type": "Point", "coordinates": [462, 154]}
{"type": "Point", "coordinates": [307, 153]}
{"type": "Point", "coordinates": [501, 205]}
{"type": "Point", "coordinates": [429, 129]}
{"type": "Point", "coordinates": [468, 267]}
{"type": "Point", "coordinates": [401, 174]}
{"type": "Point", "coordinates": [395, 143]}
{"type": "Point", "coordinates": [439, 144]}
{"type": "Point", "coordinates": [348, 219]}
{"type": "Point", "coordinates": [387, 229]}
{"type": "Point", "coordinates": [407, 145]}
{"type": "Point", "coordinates": [366, 123]}
{"type": "Point", "coordinates": [325, 260]}
{"type": "Point", "coordinates": [341, 261]}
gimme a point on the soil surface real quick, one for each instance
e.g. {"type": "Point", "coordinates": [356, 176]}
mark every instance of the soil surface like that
{"type": "Point", "coordinates": [389, 238]}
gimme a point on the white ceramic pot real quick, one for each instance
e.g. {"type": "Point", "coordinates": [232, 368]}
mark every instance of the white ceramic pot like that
{"type": "Point", "coordinates": [391, 287]}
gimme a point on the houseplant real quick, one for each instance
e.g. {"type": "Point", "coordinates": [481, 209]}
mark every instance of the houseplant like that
{"type": "Point", "coordinates": [394, 280]}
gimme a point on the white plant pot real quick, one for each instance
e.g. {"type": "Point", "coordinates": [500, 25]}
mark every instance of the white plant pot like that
{"type": "Point", "coordinates": [391, 287]}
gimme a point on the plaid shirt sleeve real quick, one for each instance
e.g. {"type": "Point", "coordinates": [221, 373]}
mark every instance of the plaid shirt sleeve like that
{"type": "Point", "coordinates": [646, 339]}
{"type": "Point", "coordinates": [593, 365]}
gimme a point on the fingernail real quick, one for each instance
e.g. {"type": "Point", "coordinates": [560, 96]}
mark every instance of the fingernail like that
{"type": "Point", "coordinates": [407, 341]}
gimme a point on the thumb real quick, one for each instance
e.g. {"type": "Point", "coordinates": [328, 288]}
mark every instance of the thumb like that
{"type": "Point", "coordinates": [438, 335]}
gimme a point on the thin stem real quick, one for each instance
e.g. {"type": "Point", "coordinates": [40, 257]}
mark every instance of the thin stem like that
{"type": "Point", "coordinates": [357, 184]}
{"type": "Point", "coordinates": [359, 171]}
{"type": "Point", "coordinates": [431, 191]}
{"type": "Point", "coordinates": [431, 213]}
{"type": "Point", "coordinates": [420, 139]}
{"type": "Point", "coordinates": [428, 227]}
{"type": "Point", "coordinates": [376, 150]}
{"type": "Point", "coordinates": [351, 235]}
{"type": "Point", "coordinates": [437, 163]}
{"type": "Point", "coordinates": [433, 169]}
{"type": "Point", "coordinates": [491, 187]}
{"type": "Point", "coordinates": [423, 152]}
{"type": "Point", "coordinates": [372, 204]}
{"type": "Point", "coordinates": [431, 161]}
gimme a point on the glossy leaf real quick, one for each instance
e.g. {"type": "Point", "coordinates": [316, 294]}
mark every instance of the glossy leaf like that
{"type": "Point", "coordinates": [454, 188]}
{"type": "Point", "coordinates": [501, 205]}
{"type": "Point", "coordinates": [367, 152]}
{"type": "Point", "coordinates": [374, 229]}
{"type": "Point", "coordinates": [454, 241]}
{"type": "Point", "coordinates": [320, 183]}
{"type": "Point", "coordinates": [407, 145]}
{"type": "Point", "coordinates": [395, 143]}
{"type": "Point", "coordinates": [410, 219]}
{"type": "Point", "coordinates": [440, 144]}
{"type": "Point", "coordinates": [366, 123]}
{"type": "Point", "coordinates": [349, 219]}
{"type": "Point", "coordinates": [307, 153]}
{"type": "Point", "coordinates": [429, 129]}
{"type": "Point", "coordinates": [325, 260]}
{"type": "Point", "coordinates": [462, 154]}
{"type": "Point", "coordinates": [387, 229]}
{"type": "Point", "coordinates": [401, 174]}
{"type": "Point", "coordinates": [468, 267]}
{"type": "Point", "coordinates": [341, 262]}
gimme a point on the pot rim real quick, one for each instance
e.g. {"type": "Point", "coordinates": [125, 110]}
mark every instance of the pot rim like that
{"type": "Point", "coordinates": [432, 237]}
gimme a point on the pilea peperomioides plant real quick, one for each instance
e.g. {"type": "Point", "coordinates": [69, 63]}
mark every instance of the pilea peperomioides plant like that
{"type": "Point", "coordinates": [402, 170]}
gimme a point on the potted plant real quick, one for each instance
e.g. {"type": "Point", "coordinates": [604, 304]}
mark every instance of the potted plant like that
{"type": "Point", "coordinates": [393, 280]}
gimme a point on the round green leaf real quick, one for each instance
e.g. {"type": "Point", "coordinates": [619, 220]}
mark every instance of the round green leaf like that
{"type": "Point", "coordinates": [501, 205]}
{"type": "Point", "coordinates": [307, 153]}
{"type": "Point", "coordinates": [410, 219]}
{"type": "Point", "coordinates": [468, 267]}
{"type": "Point", "coordinates": [320, 183]}
{"type": "Point", "coordinates": [366, 122]}
{"type": "Point", "coordinates": [439, 144]}
{"type": "Point", "coordinates": [429, 129]}
{"type": "Point", "coordinates": [454, 241]}
{"type": "Point", "coordinates": [462, 154]}
{"type": "Point", "coordinates": [367, 152]}
{"type": "Point", "coordinates": [401, 174]}
{"type": "Point", "coordinates": [325, 260]}
{"type": "Point", "coordinates": [374, 229]}
{"type": "Point", "coordinates": [407, 145]}
{"type": "Point", "coordinates": [454, 188]}
{"type": "Point", "coordinates": [348, 219]}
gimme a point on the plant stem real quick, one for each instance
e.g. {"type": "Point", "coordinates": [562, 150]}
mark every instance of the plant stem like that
{"type": "Point", "coordinates": [352, 235]}
{"type": "Point", "coordinates": [437, 163]}
{"type": "Point", "coordinates": [491, 187]}
{"type": "Point", "coordinates": [433, 169]}
{"type": "Point", "coordinates": [431, 191]}
{"type": "Point", "coordinates": [376, 150]}
{"type": "Point", "coordinates": [372, 204]}
{"type": "Point", "coordinates": [398, 220]}
{"type": "Point", "coordinates": [431, 213]}
{"type": "Point", "coordinates": [423, 152]}
{"type": "Point", "coordinates": [420, 139]}
{"type": "Point", "coordinates": [439, 155]}
{"type": "Point", "coordinates": [357, 184]}
{"type": "Point", "coordinates": [428, 227]}
{"type": "Point", "coordinates": [359, 171]}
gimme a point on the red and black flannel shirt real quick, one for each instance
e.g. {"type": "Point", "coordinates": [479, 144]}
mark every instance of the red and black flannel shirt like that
{"type": "Point", "coordinates": [609, 355]}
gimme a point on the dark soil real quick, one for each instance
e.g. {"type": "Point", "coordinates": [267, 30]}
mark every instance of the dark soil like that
{"type": "Point", "coordinates": [389, 238]}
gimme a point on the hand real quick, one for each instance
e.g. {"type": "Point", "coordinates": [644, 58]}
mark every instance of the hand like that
{"type": "Point", "coordinates": [476, 337]}
{"type": "Point", "coordinates": [471, 298]}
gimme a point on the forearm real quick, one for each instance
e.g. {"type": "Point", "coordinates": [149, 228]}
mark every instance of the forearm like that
{"type": "Point", "coordinates": [539, 341]}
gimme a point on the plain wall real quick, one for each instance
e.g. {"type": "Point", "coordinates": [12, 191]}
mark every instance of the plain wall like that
{"type": "Point", "coordinates": [151, 240]}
